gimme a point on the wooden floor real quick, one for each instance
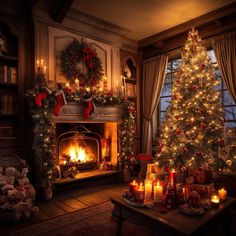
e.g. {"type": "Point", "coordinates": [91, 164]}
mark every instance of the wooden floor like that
{"type": "Point", "coordinates": [68, 202]}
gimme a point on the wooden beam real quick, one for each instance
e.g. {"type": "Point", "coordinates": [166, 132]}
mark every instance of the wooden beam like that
{"type": "Point", "coordinates": [61, 9]}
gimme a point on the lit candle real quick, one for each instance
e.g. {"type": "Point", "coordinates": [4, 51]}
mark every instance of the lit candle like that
{"type": "Point", "coordinates": [37, 63]}
{"type": "Point", "coordinates": [44, 69]}
{"type": "Point", "coordinates": [67, 85]}
{"type": "Point", "coordinates": [222, 194]}
{"type": "Point", "coordinates": [117, 87]}
{"type": "Point", "coordinates": [41, 63]}
{"type": "Point", "coordinates": [139, 194]}
{"type": "Point", "coordinates": [124, 85]}
{"type": "Point", "coordinates": [77, 83]}
{"type": "Point", "coordinates": [173, 178]}
{"type": "Point", "coordinates": [148, 190]}
{"type": "Point", "coordinates": [158, 190]}
{"type": "Point", "coordinates": [133, 186]}
{"type": "Point", "coordinates": [105, 84]}
{"type": "Point", "coordinates": [215, 200]}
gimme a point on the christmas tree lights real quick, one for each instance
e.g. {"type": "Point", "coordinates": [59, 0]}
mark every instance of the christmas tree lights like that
{"type": "Point", "coordinates": [194, 131]}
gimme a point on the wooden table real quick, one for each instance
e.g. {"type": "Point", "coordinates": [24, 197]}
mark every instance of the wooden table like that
{"type": "Point", "coordinates": [159, 221]}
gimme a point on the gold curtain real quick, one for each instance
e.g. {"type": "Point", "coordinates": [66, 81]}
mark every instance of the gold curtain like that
{"type": "Point", "coordinates": [154, 70]}
{"type": "Point", "coordinates": [225, 52]}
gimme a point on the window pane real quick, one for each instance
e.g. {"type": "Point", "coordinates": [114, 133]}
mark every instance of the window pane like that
{"type": "Point", "coordinates": [231, 124]}
{"type": "Point", "coordinates": [164, 103]}
{"type": "Point", "coordinates": [230, 113]}
{"type": "Point", "coordinates": [212, 56]}
{"type": "Point", "coordinates": [162, 116]}
{"type": "Point", "coordinates": [169, 67]}
{"type": "Point", "coordinates": [176, 64]}
{"type": "Point", "coordinates": [219, 86]}
{"type": "Point", "coordinates": [168, 78]}
{"type": "Point", "coordinates": [166, 90]}
{"type": "Point", "coordinates": [228, 99]}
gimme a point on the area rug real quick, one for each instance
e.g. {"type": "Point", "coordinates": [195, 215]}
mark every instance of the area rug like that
{"type": "Point", "coordinates": [91, 221]}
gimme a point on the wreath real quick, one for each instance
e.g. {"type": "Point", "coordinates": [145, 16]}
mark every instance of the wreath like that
{"type": "Point", "coordinates": [79, 61]}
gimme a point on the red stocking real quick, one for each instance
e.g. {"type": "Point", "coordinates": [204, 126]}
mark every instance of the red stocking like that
{"type": "Point", "coordinates": [61, 100]}
{"type": "Point", "coordinates": [89, 109]}
{"type": "Point", "coordinates": [39, 98]}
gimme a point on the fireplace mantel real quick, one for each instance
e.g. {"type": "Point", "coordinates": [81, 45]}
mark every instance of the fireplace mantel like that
{"type": "Point", "coordinates": [73, 112]}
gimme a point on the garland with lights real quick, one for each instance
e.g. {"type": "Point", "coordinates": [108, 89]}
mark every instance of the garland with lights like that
{"type": "Point", "coordinates": [79, 61]}
{"type": "Point", "coordinates": [43, 101]}
{"type": "Point", "coordinates": [194, 132]}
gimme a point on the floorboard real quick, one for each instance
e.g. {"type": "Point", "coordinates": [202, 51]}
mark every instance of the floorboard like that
{"type": "Point", "coordinates": [67, 202]}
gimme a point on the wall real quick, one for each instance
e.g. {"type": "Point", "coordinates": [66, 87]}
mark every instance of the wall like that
{"type": "Point", "coordinates": [51, 38]}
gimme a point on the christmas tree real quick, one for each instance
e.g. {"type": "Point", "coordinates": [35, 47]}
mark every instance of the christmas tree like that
{"type": "Point", "coordinates": [194, 131]}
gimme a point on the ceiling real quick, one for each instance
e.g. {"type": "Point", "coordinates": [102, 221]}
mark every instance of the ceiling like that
{"type": "Point", "coordinates": [143, 18]}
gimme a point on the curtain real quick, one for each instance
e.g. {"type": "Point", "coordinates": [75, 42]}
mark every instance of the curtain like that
{"type": "Point", "coordinates": [225, 52]}
{"type": "Point", "coordinates": [154, 70]}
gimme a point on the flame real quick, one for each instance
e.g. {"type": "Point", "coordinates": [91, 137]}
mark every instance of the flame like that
{"type": "Point", "coordinates": [77, 153]}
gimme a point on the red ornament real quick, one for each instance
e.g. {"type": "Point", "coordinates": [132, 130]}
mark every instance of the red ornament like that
{"type": "Point", "coordinates": [194, 87]}
{"type": "Point", "coordinates": [202, 126]}
{"type": "Point", "coordinates": [178, 132]}
{"type": "Point", "coordinates": [221, 141]}
{"type": "Point", "coordinates": [203, 65]}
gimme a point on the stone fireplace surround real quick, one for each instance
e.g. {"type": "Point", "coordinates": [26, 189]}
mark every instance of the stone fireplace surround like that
{"type": "Point", "coordinates": [108, 118]}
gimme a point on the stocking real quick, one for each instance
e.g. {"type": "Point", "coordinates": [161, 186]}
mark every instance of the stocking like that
{"type": "Point", "coordinates": [89, 108]}
{"type": "Point", "coordinates": [61, 100]}
{"type": "Point", "coordinates": [39, 98]}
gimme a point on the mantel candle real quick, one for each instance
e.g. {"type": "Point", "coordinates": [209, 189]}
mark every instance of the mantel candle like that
{"type": "Point", "coordinates": [133, 186]}
{"type": "Point", "coordinates": [148, 190]}
{"type": "Point", "coordinates": [222, 194]}
{"type": "Point", "coordinates": [158, 190]}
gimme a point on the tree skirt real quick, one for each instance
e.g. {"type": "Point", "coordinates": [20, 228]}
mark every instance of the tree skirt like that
{"type": "Point", "coordinates": [91, 221]}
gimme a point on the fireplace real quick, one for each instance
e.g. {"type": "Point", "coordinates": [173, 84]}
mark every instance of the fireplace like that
{"type": "Point", "coordinates": [86, 148]}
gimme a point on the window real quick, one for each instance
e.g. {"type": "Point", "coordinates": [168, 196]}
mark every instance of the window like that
{"type": "Point", "coordinates": [227, 102]}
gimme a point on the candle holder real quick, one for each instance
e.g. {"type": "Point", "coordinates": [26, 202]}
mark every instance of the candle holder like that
{"type": "Point", "coordinates": [139, 194]}
{"type": "Point", "coordinates": [215, 201]}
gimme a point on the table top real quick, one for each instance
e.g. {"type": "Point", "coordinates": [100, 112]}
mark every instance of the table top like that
{"type": "Point", "coordinates": [174, 219]}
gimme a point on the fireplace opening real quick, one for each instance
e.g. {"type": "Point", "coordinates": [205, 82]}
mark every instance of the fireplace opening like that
{"type": "Point", "coordinates": [81, 150]}
{"type": "Point", "coordinates": [84, 150]}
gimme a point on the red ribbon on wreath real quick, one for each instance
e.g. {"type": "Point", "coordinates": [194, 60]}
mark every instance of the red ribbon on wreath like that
{"type": "Point", "coordinates": [89, 54]}
{"type": "Point", "coordinates": [90, 107]}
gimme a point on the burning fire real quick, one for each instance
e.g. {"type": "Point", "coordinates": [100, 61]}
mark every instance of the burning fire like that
{"type": "Point", "coordinates": [77, 153]}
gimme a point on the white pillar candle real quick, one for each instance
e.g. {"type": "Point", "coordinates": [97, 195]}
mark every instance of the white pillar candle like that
{"type": "Point", "coordinates": [158, 190]}
{"type": "Point", "coordinates": [148, 190]}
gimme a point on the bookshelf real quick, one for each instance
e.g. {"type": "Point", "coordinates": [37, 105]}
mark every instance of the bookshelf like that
{"type": "Point", "coordinates": [10, 104]}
